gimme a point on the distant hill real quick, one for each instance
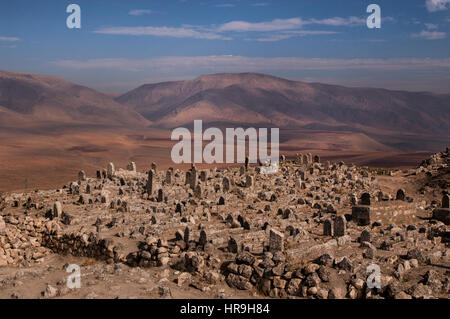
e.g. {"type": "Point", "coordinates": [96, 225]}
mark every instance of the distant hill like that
{"type": "Point", "coordinates": [341, 118]}
{"type": "Point", "coordinates": [258, 99]}
{"type": "Point", "coordinates": [32, 98]}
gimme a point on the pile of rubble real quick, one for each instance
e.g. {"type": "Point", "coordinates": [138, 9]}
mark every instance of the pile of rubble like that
{"type": "Point", "coordinates": [309, 230]}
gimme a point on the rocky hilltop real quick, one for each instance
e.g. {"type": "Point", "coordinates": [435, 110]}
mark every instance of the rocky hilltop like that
{"type": "Point", "coordinates": [311, 230]}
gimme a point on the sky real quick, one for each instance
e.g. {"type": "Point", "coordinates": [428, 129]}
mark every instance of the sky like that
{"type": "Point", "coordinates": [123, 44]}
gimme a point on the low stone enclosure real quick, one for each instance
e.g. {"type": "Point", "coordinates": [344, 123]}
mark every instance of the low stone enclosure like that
{"type": "Point", "coordinates": [310, 230]}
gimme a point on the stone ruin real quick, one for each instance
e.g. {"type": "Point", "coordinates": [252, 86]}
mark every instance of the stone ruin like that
{"type": "Point", "coordinates": [308, 231]}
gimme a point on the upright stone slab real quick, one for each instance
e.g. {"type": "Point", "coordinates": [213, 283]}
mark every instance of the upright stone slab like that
{"type": "Point", "coordinates": [400, 195]}
{"type": "Point", "coordinates": [81, 176]}
{"type": "Point", "coordinates": [233, 246]}
{"type": "Point", "coordinates": [442, 214]}
{"type": "Point", "coordinates": [193, 182]}
{"type": "Point", "coordinates": [445, 201]}
{"type": "Point", "coordinates": [153, 166]}
{"type": "Point", "coordinates": [248, 181]}
{"type": "Point", "coordinates": [202, 240]}
{"type": "Point", "coordinates": [339, 226]}
{"type": "Point", "coordinates": [305, 159]}
{"type": "Point", "coordinates": [225, 185]}
{"type": "Point", "coordinates": [179, 209]}
{"type": "Point", "coordinates": [203, 176]}
{"type": "Point", "coordinates": [160, 196]}
{"type": "Point", "coordinates": [186, 235]}
{"type": "Point", "coordinates": [57, 209]}
{"type": "Point", "coordinates": [327, 228]}
{"type": "Point", "coordinates": [365, 199]}
{"type": "Point", "coordinates": [276, 241]}
{"type": "Point", "coordinates": [317, 159]}
{"type": "Point", "coordinates": [111, 170]}
{"type": "Point", "coordinates": [198, 191]}
{"type": "Point", "coordinates": [188, 178]}
{"type": "Point", "coordinates": [149, 187]}
{"type": "Point", "coordinates": [169, 177]}
{"type": "Point", "coordinates": [365, 236]}
{"type": "Point", "coordinates": [361, 215]}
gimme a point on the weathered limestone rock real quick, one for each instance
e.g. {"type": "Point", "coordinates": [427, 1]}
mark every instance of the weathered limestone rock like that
{"type": "Point", "coordinates": [327, 228]}
{"type": "Point", "coordinates": [202, 240]}
{"type": "Point", "coordinates": [160, 196]}
{"type": "Point", "coordinates": [365, 236]}
{"type": "Point", "coordinates": [186, 235]}
{"type": "Point", "coordinates": [57, 209]}
{"type": "Point", "coordinates": [400, 195]}
{"type": "Point", "coordinates": [111, 170]}
{"type": "Point", "coordinates": [188, 178]}
{"type": "Point", "coordinates": [169, 177]}
{"type": "Point", "coordinates": [203, 176]}
{"type": "Point", "coordinates": [81, 176]}
{"type": "Point", "coordinates": [365, 199]}
{"type": "Point", "coordinates": [248, 181]}
{"type": "Point", "coordinates": [305, 159]}
{"type": "Point", "coordinates": [225, 185]}
{"type": "Point", "coordinates": [2, 225]}
{"type": "Point", "coordinates": [339, 226]}
{"type": "Point", "coordinates": [361, 215]}
{"type": "Point", "coordinates": [276, 241]}
{"type": "Point", "coordinates": [445, 201]}
{"type": "Point", "coordinates": [131, 167]}
{"type": "Point", "coordinates": [149, 186]}
{"type": "Point", "coordinates": [198, 191]}
{"type": "Point", "coordinates": [442, 214]}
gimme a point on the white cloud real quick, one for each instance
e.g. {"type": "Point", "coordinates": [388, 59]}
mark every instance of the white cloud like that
{"type": "Point", "coordinates": [287, 24]}
{"type": "Point", "coordinates": [430, 35]}
{"type": "Point", "coordinates": [291, 34]}
{"type": "Point", "coordinates": [9, 39]}
{"type": "Point", "coordinates": [229, 63]}
{"type": "Point", "coordinates": [182, 32]}
{"type": "Point", "coordinates": [338, 21]}
{"type": "Point", "coordinates": [274, 25]}
{"type": "Point", "coordinates": [431, 26]}
{"type": "Point", "coordinates": [140, 12]}
{"type": "Point", "coordinates": [217, 32]}
{"type": "Point", "coordinates": [437, 5]}
{"type": "Point", "coordinates": [261, 4]}
{"type": "Point", "coordinates": [225, 5]}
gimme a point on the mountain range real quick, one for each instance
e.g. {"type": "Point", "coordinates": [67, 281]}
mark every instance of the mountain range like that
{"type": "Point", "coordinates": [399, 120]}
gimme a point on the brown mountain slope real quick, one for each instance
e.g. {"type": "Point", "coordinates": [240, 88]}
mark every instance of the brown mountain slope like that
{"type": "Point", "coordinates": [38, 98]}
{"type": "Point", "coordinates": [261, 99]}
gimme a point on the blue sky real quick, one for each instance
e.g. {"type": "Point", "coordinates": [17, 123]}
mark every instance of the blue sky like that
{"type": "Point", "coordinates": [123, 44]}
